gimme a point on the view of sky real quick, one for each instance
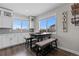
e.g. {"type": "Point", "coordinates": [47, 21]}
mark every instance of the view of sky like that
{"type": "Point", "coordinates": [24, 24]}
{"type": "Point", "coordinates": [47, 22]}
{"type": "Point", "coordinates": [20, 23]}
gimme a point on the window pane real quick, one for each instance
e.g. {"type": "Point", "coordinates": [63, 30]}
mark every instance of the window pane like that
{"type": "Point", "coordinates": [17, 24]}
{"type": "Point", "coordinates": [43, 24]}
{"type": "Point", "coordinates": [48, 24]}
{"type": "Point", "coordinates": [51, 24]}
{"type": "Point", "coordinates": [51, 21]}
{"type": "Point", "coordinates": [25, 24]}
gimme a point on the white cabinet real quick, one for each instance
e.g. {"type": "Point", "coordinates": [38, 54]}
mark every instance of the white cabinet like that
{"type": "Point", "coordinates": [6, 18]}
{"type": "Point", "coordinates": [7, 40]}
{"type": "Point", "coordinates": [5, 22]}
{"type": "Point", "coordinates": [20, 38]}
{"type": "Point", "coordinates": [0, 41]}
{"type": "Point", "coordinates": [13, 39]}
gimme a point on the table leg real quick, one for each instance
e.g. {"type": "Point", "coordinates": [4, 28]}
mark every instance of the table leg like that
{"type": "Point", "coordinates": [37, 52]}
{"type": "Point", "coordinates": [31, 43]}
{"type": "Point", "coordinates": [56, 44]}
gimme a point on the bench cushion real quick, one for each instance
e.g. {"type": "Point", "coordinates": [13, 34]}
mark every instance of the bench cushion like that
{"type": "Point", "coordinates": [45, 42]}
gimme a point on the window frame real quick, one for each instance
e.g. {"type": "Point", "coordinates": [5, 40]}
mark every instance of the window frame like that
{"type": "Point", "coordinates": [26, 21]}
{"type": "Point", "coordinates": [47, 23]}
{"type": "Point", "coordinates": [21, 20]}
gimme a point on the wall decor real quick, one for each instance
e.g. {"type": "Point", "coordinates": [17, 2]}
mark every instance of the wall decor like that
{"type": "Point", "coordinates": [65, 25]}
{"type": "Point", "coordinates": [75, 14]}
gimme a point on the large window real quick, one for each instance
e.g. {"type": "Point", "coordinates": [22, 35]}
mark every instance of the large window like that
{"type": "Point", "coordinates": [43, 24]}
{"type": "Point", "coordinates": [48, 24]}
{"type": "Point", "coordinates": [25, 24]}
{"type": "Point", "coordinates": [20, 25]}
{"type": "Point", "coordinates": [16, 24]}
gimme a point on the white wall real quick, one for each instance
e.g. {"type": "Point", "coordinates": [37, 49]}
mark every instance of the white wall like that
{"type": "Point", "coordinates": [70, 39]}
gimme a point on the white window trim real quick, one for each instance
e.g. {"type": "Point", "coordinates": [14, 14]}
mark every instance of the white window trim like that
{"type": "Point", "coordinates": [46, 23]}
{"type": "Point", "coordinates": [21, 24]}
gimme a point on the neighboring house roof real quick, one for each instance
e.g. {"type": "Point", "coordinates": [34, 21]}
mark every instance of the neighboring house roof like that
{"type": "Point", "coordinates": [52, 25]}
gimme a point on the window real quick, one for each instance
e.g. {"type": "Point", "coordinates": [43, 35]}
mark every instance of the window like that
{"type": "Point", "coordinates": [21, 25]}
{"type": "Point", "coordinates": [51, 24]}
{"type": "Point", "coordinates": [48, 24]}
{"type": "Point", "coordinates": [16, 24]}
{"type": "Point", "coordinates": [43, 24]}
{"type": "Point", "coordinates": [25, 24]}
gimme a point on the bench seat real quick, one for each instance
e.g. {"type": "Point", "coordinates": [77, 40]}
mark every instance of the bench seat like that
{"type": "Point", "coordinates": [45, 42]}
{"type": "Point", "coordinates": [43, 47]}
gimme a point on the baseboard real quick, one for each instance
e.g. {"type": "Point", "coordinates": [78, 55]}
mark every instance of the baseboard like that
{"type": "Point", "coordinates": [69, 50]}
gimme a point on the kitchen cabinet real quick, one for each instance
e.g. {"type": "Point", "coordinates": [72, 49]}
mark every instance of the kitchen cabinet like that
{"type": "Point", "coordinates": [20, 38]}
{"type": "Point", "coordinates": [6, 17]}
{"type": "Point", "coordinates": [11, 39]}
{"type": "Point", "coordinates": [5, 22]}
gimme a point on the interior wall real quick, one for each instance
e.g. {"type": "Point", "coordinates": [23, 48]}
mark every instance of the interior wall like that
{"type": "Point", "coordinates": [70, 39]}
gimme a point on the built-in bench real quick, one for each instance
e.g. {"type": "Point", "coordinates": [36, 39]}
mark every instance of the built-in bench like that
{"type": "Point", "coordinates": [45, 43]}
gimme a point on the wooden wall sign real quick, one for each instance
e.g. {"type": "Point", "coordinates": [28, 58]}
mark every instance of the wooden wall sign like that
{"type": "Point", "coordinates": [65, 25]}
{"type": "Point", "coordinates": [75, 14]}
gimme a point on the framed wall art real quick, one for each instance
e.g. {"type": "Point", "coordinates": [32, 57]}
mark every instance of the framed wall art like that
{"type": "Point", "coordinates": [65, 19]}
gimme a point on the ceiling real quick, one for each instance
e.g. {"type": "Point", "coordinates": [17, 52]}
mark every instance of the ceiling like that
{"type": "Point", "coordinates": [30, 9]}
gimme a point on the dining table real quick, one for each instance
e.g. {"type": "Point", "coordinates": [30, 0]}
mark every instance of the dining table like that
{"type": "Point", "coordinates": [39, 37]}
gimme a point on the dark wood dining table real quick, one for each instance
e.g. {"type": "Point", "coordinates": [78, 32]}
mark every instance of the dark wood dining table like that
{"type": "Point", "coordinates": [41, 38]}
{"type": "Point", "coordinates": [38, 37]}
